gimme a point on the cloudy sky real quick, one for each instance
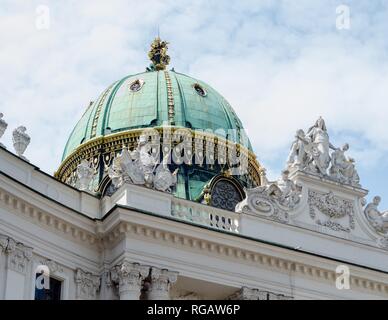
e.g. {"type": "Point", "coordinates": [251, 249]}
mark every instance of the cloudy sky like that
{"type": "Point", "coordinates": [281, 64]}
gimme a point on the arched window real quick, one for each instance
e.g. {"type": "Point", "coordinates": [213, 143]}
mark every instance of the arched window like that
{"type": "Point", "coordinates": [225, 194]}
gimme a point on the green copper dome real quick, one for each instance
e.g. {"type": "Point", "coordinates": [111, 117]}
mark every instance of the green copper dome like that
{"type": "Point", "coordinates": [156, 98]}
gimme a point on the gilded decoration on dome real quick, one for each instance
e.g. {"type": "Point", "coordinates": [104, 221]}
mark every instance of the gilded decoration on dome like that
{"type": "Point", "coordinates": [158, 54]}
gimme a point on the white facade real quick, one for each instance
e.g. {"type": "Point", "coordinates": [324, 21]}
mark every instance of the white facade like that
{"type": "Point", "coordinates": [143, 243]}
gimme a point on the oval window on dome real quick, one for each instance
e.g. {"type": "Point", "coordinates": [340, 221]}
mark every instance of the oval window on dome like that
{"type": "Point", "coordinates": [136, 85]}
{"type": "Point", "coordinates": [200, 90]}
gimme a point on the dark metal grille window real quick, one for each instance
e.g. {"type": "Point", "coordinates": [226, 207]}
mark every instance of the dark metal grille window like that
{"type": "Point", "coordinates": [225, 195]}
{"type": "Point", "coordinates": [53, 293]}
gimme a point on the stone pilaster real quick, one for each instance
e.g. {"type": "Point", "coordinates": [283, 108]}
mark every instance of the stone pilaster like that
{"type": "Point", "coordinates": [15, 265]}
{"type": "Point", "coordinates": [87, 285]}
{"type": "Point", "coordinates": [161, 280]}
{"type": "Point", "coordinates": [129, 277]}
{"type": "Point", "coordinates": [19, 256]}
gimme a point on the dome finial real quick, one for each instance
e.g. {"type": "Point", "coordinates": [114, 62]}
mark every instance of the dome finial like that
{"type": "Point", "coordinates": [158, 55]}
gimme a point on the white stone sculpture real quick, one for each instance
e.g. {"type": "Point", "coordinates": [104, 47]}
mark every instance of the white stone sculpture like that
{"type": "Point", "coordinates": [164, 179]}
{"type": "Point", "coordinates": [273, 200]}
{"type": "Point", "coordinates": [298, 155]}
{"type": "Point", "coordinates": [310, 153]}
{"type": "Point", "coordinates": [342, 168]}
{"type": "Point", "coordinates": [21, 140]}
{"type": "Point", "coordinates": [3, 127]}
{"type": "Point", "coordinates": [378, 220]}
{"type": "Point", "coordinates": [320, 157]}
{"type": "Point", "coordinates": [140, 167]}
{"type": "Point", "coordinates": [290, 191]}
{"type": "Point", "coordinates": [85, 174]}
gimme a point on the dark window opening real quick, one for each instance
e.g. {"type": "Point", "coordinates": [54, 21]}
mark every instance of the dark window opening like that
{"type": "Point", "coordinates": [52, 293]}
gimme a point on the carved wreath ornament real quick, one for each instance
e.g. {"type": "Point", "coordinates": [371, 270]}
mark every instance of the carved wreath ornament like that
{"type": "Point", "coordinates": [333, 208]}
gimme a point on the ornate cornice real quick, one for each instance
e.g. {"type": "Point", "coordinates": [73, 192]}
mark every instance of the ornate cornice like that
{"type": "Point", "coordinates": [224, 251]}
{"type": "Point", "coordinates": [47, 219]}
{"type": "Point", "coordinates": [172, 239]}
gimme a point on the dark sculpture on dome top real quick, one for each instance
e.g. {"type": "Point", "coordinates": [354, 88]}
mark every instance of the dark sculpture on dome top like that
{"type": "Point", "coordinates": [158, 55]}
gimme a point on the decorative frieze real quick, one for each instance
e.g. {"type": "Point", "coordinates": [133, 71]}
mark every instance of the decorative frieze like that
{"type": "Point", "coordinates": [161, 281]}
{"type": "Point", "coordinates": [87, 285]}
{"type": "Point", "coordinates": [129, 277]}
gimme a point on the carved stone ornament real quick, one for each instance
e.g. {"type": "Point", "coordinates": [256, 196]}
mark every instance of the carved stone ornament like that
{"type": "Point", "coordinates": [378, 220]}
{"type": "Point", "coordinates": [332, 209]}
{"type": "Point", "coordinates": [19, 256]}
{"type": "Point", "coordinates": [273, 200]}
{"type": "Point", "coordinates": [87, 285]}
{"type": "Point", "coordinates": [161, 280]}
{"type": "Point", "coordinates": [128, 278]}
{"type": "Point", "coordinates": [85, 174]}
{"type": "Point", "coordinates": [52, 266]}
{"type": "Point", "coordinates": [21, 140]}
{"type": "Point", "coordinates": [310, 152]}
{"type": "Point", "coordinates": [3, 127]}
{"type": "Point", "coordinates": [140, 167]}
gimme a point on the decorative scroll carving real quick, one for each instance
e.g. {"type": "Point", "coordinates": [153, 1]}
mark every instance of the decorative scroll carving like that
{"type": "Point", "coordinates": [332, 208]}
{"type": "Point", "coordinates": [273, 200]}
{"type": "Point", "coordinates": [21, 140]}
{"type": "Point", "coordinates": [140, 167]}
{"type": "Point", "coordinates": [310, 152]}
{"type": "Point", "coordinates": [87, 285]}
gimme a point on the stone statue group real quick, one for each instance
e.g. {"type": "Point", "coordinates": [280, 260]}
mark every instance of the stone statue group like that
{"type": "Point", "coordinates": [140, 167]}
{"type": "Point", "coordinates": [310, 152]}
{"type": "Point", "coordinates": [135, 167]}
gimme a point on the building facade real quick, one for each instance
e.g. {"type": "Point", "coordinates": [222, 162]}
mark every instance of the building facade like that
{"type": "Point", "coordinates": [160, 196]}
